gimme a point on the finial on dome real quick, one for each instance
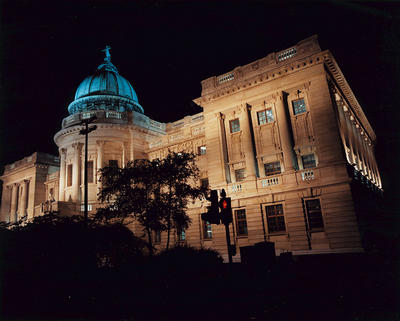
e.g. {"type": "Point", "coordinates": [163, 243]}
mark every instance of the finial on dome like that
{"type": "Point", "coordinates": [107, 51]}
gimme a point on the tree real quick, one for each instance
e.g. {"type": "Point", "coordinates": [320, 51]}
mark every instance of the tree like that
{"type": "Point", "coordinates": [155, 193]}
{"type": "Point", "coordinates": [179, 174]}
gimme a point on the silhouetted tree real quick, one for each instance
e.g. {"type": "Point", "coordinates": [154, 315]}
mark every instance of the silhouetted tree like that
{"type": "Point", "coordinates": [179, 175]}
{"type": "Point", "coordinates": [154, 193]}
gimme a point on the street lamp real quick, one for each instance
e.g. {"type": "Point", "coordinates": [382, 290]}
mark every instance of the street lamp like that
{"type": "Point", "coordinates": [85, 131]}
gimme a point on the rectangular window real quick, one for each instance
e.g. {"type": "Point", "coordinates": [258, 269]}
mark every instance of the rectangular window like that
{"type": "Point", "coordinates": [239, 174]}
{"type": "Point", "coordinates": [275, 218]}
{"type": "Point", "coordinates": [90, 171]}
{"type": "Point", "coordinates": [113, 163]}
{"type": "Point", "coordinates": [204, 182]}
{"type": "Point", "coordinates": [265, 116]}
{"type": "Point", "coordinates": [314, 214]}
{"type": "Point", "coordinates": [272, 168]}
{"type": "Point", "coordinates": [299, 106]}
{"type": "Point", "coordinates": [181, 235]}
{"type": "Point", "coordinates": [201, 150]}
{"type": "Point", "coordinates": [207, 230]}
{"type": "Point", "coordinates": [308, 161]}
{"type": "Point", "coordinates": [234, 125]}
{"type": "Point", "coordinates": [69, 175]}
{"type": "Point", "coordinates": [241, 223]}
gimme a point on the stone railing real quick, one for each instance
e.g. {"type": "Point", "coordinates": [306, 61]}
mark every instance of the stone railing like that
{"type": "Point", "coordinates": [270, 181]}
{"type": "Point", "coordinates": [101, 115]}
{"type": "Point", "coordinates": [307, 174]}
{"type": "Point", "coordinates": [237, 187]}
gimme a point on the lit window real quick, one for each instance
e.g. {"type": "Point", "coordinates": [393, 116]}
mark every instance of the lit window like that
{"type": "Point", "coordinates": [272, 168]}
{"type": "Point", "coordinates": [204, 182]}
{"type": "Point", "coordinates": [181, 235]}
{"type": "Point", "coordinates": [275, 218]}
{"type": "Point", "coordinates": [69, 175]}
{"type": "Point", "coordinates": [207, 230]}
{"type": "Point", "coordinates": [314, 214]}
{"type": "Point", "coordinates": [308, 161]}
{"type": "Point", "coordinates": [90, 171]}
{"type": "Point", "coordinates": [299, 106]}
{"type": "Point", "coordinates": [287, 54]}
{"type": "Point", "coordinates": [201, 150]}
{"type": "Point", "coordinates": [241, 223]}
{"type": "Point", "coordinates": [234, 125]}
{"type": "Point", "coordinates": [265, 116]}
{"type": "Point", "coordinates": [89, 207]}
{"type": "Point", "coordinates": [239, 174]}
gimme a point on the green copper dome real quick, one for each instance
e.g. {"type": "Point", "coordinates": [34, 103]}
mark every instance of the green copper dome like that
{"type": "Point", "coordinates": [106, 89]}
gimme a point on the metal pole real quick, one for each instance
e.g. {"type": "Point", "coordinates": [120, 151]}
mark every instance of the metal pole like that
{"type": "Point", "coordinates": [228, 242]}
{"type": "Point", "coordinates": [86, 176]}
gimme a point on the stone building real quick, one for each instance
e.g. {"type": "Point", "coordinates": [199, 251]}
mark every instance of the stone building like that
{"type": "Point", "coordinates": [284, 136]}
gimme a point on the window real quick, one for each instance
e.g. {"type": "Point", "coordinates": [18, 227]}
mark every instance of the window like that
{"type": "Point", "coordinates": [113, 163]}
{"type": "Point", "coordinates": [308, 161]}
{"type": "Point", "coordinates": [275, 218]}
{"type": "Point", "coordinates": [181, 235]}
{"type": "Point", "coordinates": [239, 174]}
{"type": "Point", "coordinates": [69, 175]}
{"type": "Point", "coordinates": [207, 230]}
{"type": "Point", "coordinates": [314, 214]}
{"type": "Point", "coordinates": [204, 182]}
{"type": "Point", "coordinates": [157, 237]}
{"type": "Point", "coordinates": [201, 150]}
{"type": "Point", "coordinates": [272, 168]}
{"type": "Point", "coordinates": [241, 223]}
{"type": "Point", "coordinates": [299, 106]}
{"type": "Point", "coordinates": [265, 116]}
{"type": "Point", "coordinates": [90, 171]}
{"type": "Point", "coordinates": [234, 125]}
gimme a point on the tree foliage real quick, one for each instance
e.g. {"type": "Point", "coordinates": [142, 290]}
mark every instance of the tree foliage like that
{"type": "Point", "coordinates": [154, 193]}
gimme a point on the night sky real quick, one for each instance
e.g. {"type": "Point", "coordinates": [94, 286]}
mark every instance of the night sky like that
{"type": "Point", "coordinates": [165, 48]}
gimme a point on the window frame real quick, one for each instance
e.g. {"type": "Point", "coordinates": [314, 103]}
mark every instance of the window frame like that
{"type": "Point", "coordinates": [309, 227]}
{"type": "Point", "coordinates": [202, 180]}
{"type": "Point", "coordinates": [241, 220]}
{"type": "Point", "coordinates": [308, 167]}
{"type": "Point", "coordinates": [200, 150]}
{"type": "Point", "coordinates": [69, 175]}
{"type": "Point", "coordinates": [207, 230]}
{"type": "Point", "coordinates": [243, 177]}
{"type": "Point", "coordinates": [276, 223]}
{"type": "Point", "coordinates": [181, 233]}
{"type": "Point", "coordinates": [267, 119]}
{"type": "Point", "coordinates": [276, 172]}
{"type": "Point", "coordinates": [303, 110]}
{"type": "Point", "coordinates": [234, 128]}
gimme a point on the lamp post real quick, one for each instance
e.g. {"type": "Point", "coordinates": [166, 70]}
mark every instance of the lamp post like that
{"type": "Point", "coordinates": [85, 131]}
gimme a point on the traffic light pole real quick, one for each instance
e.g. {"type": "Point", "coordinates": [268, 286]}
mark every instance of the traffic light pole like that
{"type": "Point", "coordinates": [228, 242]}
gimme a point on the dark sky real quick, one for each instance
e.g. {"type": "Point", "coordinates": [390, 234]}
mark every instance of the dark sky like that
{"type": "Point", "coordinates": [165, 48]}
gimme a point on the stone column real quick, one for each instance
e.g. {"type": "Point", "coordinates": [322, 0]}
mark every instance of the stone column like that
{"type": "Point", "coordinates": [100, 150]}
{"type": "Point", "coordinates": [61, 192]}
{"type": "Point", "coordinates": [350, 137]}
{"type": "Point", "coordinates": [343, 128]}
{"type": "Point", "coordinates": [284, 133]}
{"type": "Point", "coordinates": [123, 154]}
{"type": "Point", "coordinates": [246, 141]}
{"type": "Point", "coordinates": [6, 203]}
{"type": "Point", "coordinates": [13, 211]}
{"type": "Point", "coordinates": [24, 199]}
{"type": "Point", "coordinates": [76, 171]}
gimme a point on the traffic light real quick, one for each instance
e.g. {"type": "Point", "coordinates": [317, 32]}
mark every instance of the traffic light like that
{"type": "Point", "coordinates": [212, 215]}
{"type": "Point", "coordinates": [226, 210]}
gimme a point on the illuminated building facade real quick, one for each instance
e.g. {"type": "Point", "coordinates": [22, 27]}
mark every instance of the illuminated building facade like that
{"type": "Point", "coordinates": [284, 136]}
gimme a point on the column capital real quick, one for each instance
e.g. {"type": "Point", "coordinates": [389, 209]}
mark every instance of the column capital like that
{"type": "Point", "coordinates": [26, 181]}
{"type": "Point", "coordinates": [62, 151]}
{"type": "Point", "coordinates": [77, 146]}
{"type": "Point", "coordinates": [100, 143]}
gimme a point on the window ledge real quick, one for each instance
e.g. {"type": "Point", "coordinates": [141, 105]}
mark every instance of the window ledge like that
{"type": "Point", "coordinates": [278, 233]}
{"type": "Point", "coordinates": [242, 236]}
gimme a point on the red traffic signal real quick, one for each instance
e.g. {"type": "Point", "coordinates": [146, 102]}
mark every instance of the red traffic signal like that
{"type": "Point", "coordinates": [226, 210]}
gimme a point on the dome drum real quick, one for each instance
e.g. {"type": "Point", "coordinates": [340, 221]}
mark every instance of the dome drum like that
{"type": "Point", "coordinates": [104, 102]}
{"type": "Point", "coordinates": [103, 116]}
